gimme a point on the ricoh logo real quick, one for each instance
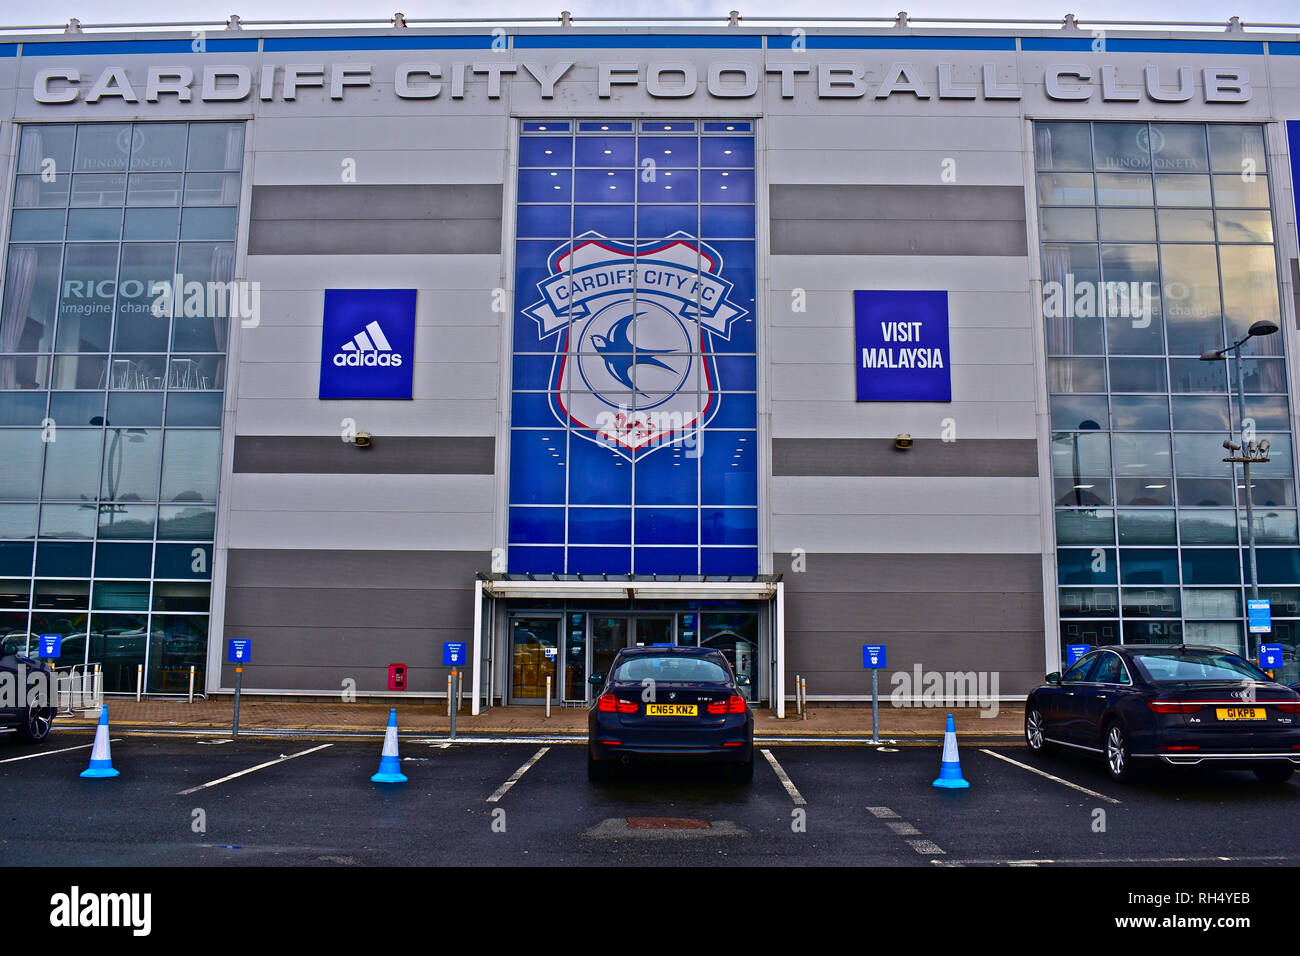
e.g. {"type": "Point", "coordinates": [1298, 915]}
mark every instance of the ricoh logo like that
{"type": "Point", "coordinates": [76, 909]}
{"type": "Point", "coordinates": [368, 348]}
{"type": "Point", "coordinates": [164, 298]}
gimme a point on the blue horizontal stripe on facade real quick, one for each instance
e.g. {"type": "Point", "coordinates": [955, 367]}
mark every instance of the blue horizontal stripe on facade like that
{"type": "Point", "coordinates": [88, 47]}
{"type": "Point", "coordinates": [1284, 48]}
{"type": "Point", "coordinates": [8, 49]}
{"type": "Point", "coordinates": [782, 41]}
{"type": "Point", "coordinates": [475, 42]}
{"type": "Point", "coordinates": [1135, 45]}
{"type": "Point", "coordinates": [635, 42]}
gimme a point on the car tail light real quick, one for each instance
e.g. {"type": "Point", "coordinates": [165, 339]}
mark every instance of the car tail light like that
{"type": "Point", "coordinates": [733, 705]}
{"type": "Point", "coordinates": [1286, 706]}
{"type": "Point", "coordinates": [1173, 707]}
{"type": "Point", "coordinates": [611, 705]}
{"type": "Point", "coordinates": [1172, 749]}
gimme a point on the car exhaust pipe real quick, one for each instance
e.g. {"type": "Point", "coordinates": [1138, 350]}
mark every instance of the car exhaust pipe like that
{"type": "Point", "coordinates": [624, 760]}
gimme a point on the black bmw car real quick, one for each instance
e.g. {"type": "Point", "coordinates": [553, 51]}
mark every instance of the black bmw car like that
{"type": "Point", "coordinates": [26, 693]}
{"type": "Point", "coordinates": [670, 702]}
{"type": "Point", "coordinates": [1170, 704]}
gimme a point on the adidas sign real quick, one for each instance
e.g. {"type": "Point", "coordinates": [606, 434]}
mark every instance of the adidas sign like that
{"type": "Point", "coordinates": [368, 347]}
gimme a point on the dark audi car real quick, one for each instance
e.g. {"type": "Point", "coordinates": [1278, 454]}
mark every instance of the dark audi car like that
{"type": "Point", "coordinates": [669, 702]}
{"type": "Point", "coordinates": [26, 692]}
{"type": "Point", "coordinates": [1172, 704]}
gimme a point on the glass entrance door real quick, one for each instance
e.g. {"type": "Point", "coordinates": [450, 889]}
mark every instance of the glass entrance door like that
{"type": "Point", "coordinates": [535, 645]}
{"type": "Point", "coordinates": [609, 633]}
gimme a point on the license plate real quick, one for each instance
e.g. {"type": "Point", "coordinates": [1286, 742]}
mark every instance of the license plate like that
{"type": "Point", "coordinates": [670, 710]}
{"type": "Point", "coordinates": [1241, 713]}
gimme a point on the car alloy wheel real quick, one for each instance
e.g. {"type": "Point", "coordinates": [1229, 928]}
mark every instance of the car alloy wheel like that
{"type": "Point", "coordinates": [1034, 730]}
{"type": "Point", "coordinates": [37, 723]}
{"type": "Point", "coordinates": [1119, 762]}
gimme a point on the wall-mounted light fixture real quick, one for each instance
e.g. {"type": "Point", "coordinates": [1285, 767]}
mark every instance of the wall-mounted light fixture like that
{"type": "Point", "coordinates": [903, 442]}
{"type": "Point", "coordinates": [362, 440]}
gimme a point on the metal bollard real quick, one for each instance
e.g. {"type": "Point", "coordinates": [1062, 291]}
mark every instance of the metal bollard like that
{"type": "Point", "coordinates": [798, 697]}
{"type": "Point", "coordinates": [548, 697]}
{"type": "Point", "coordinates": [191, 683]}
{"type": "Point", "coordinates": [460, 692]}
{"type": "Point", "coordinates": [453, 689]}
{"type": "Point", "coordinates": [449, 694]}
{"type": "Point", "coordinates": [139, 680]}
{"type": "Point", "coordinates": [804, 691]}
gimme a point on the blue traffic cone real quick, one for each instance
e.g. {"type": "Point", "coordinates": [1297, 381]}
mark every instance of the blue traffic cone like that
{"type": "Point", "coordinates": [101, 761]}
{"type": "Point", "coordinates": [390, 767]}
{"type": "Point", "coordinates": [950, 777]}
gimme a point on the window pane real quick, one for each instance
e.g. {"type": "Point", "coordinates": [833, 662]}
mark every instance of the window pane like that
{"type": "Point", "coordinates": [1186, 225]}
{"type": "Point", "coordinates": [1243, 225]}
{"type": "Point", "coordinates": [102, 146]}
{"type": "Point", "coordinates": [1197, 413]}
{"type": "Point", "coordinates": [191, 465]}
{"type": "Point", "coordinates": [1271, 527]}
{"type": "Point", "coordinates": [1080, 453]}
{"type": "Point", "coordinates": [131, 458]}
{"type": "Point", "coordinates": [143, 264]}
{"type": "Point", "coordinates": [1088, 602]}
{"type": "Point", "coordinates": [1235, 191]}
{"type": "Point", "coordinates": [126, 522]}
{"type": "Point", "coordinates": [98, 189]}
{"type": "Point", "coordinates": [186, 522]}
{"type": "Point", "coordinates": [30, 295]}
{"type": "Point", "coordinates": [18, 521]}
{"type": "Point", "coordinates": [153, 189]}
{"type": "Point", "coordinates": [1139, 412]}
{"type": "Point", "coordinates": [1124, 189]}
{"type": "Point", "coordinates": [1236, 149]}
{"type": "Point", "coordinates": [1069, 224]}
{"type": "Point", "coordinates": [86, 307]}
{"type": "Point", "coordinates": [1250, 294]}
{"type": "Point", "coordinates": [21, 454]}
{"type": "Point", "coordinates": [1082, 412]}
{"type": "Point", "coordinates": [216, 146]}
{"type": "Point", "coordinates": [1191, 290]}
{"type": "Point", "coordinates": [68, 521]}
{"type": "Point", "coordinates": [1134, 225]}
{"type": "Point", "coordinates": [1137, 375]}
{"type": "Point", "coordinates": [1212, 602]}
{"type": "Point", "coordinates": [1146, 527]}
{"type": "Point", "coordinates": [42, 144]}
{"type": "Point", "coordinates": [37, 225]}
{"type": "Point", "coordinates": [1138, 455]}
{"type": "Point", "coordinates": [212, 189]}
{"type": "Point", "coordinates": [176, 643]}
{"type": "Point", "coordinates": [1179, 147]}
{"type": "Point", "coordinates": [1068, 189]}
{"type": "Point", "coordinates": [72, 464]}
{"type": "Point", "coordinates": [1076, 375]}
{"type": "Point", "coordinates": [1148, 566]}
{"type": "Point", "coordinates": [151, 224]}
{"type": "Point", "coordinates": [1150, 602]}
{"type": "Point", "coordinates": [158, 147]}
{"type": "Point", "coordinates": [1089, 526]}
{"type": "Point", "coordinates": [94, 224]}
{"type": "Point", "coordinates": [1063, 145]}
{"type": "Point", "coordinates": [1204, 526]}
{"type": "Point", "coordinates": [1121, 146]}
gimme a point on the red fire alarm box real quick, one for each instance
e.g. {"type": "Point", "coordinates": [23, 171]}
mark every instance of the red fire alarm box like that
{"type": "Point", "coordinates": [397, 677]}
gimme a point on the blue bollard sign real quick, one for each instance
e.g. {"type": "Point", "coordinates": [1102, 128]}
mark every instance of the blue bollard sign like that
{"type": "Point", "coordinates": [873, 655]}
{"type": "Point", "coordinates": [51, 645]}
{"type": "Point", "coordinates": [239, 651]}
{"type": "Point", "coordinates": [1074, 651]}
{"type": "Point", "coordinates": [453, 653]}
{"type": "Point", "coordinates": [1270, 656]}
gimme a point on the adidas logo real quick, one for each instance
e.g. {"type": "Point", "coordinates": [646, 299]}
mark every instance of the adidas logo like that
{"type": "Point", "coordinates": [368, 347]}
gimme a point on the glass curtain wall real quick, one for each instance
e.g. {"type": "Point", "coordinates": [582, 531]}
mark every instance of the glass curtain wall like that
{"type": "Point", "coordinates": [111, 393]}
{"type": "Point", "coordinates": [1157, 244]}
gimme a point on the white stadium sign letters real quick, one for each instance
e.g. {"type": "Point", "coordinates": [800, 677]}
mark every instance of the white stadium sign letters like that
{"type": "Point", "coordinates": [661, 80]}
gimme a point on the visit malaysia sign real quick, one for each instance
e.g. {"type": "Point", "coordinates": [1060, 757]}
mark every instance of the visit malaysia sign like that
{"type": "Point", "coordinates": [902, 346]}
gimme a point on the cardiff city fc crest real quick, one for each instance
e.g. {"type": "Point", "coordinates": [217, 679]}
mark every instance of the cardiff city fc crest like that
{"type": "Point", "coordinates": [634, 325]}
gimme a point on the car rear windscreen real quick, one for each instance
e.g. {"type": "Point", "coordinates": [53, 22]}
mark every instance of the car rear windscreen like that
{"type": "Point", "coordinates": [1173, 665]}
{"type": "Point", "coordinates": [672, 668]}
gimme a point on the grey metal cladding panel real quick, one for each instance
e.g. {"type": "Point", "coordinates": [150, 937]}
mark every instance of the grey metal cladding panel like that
{"type": "Point", "coordinates": [870, 202]}
{"type": "Point", "coordinates": [374, 237]}
{"type": "Point", "coordinates": [395, 455]}
{"type": "Point", "coordinates": [912, 574]}
{"type": "Point", "coordinates": [253, 568]}
{"type": "Point", "coordinates": [898, 237]}
{"type": "Point", "coordinates": [928, 457]}
{"type": "Point", "coordinates": [344, 607]}
{"type": "Point", "coordinates": [317, 647]}
{"type": "Point", "coordinates": [388, 201]}
{"type": "Point", "coordinates": [883, 613]}
{"type": "Point", "coordinates": [329, 679]}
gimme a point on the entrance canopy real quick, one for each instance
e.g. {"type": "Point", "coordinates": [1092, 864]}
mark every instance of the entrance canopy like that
{"type": "Point", "coordinates": [767, 588]}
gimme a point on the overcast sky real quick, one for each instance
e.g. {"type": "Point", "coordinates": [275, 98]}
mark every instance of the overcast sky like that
{"type": "Point", "coordinates": [13, 12]}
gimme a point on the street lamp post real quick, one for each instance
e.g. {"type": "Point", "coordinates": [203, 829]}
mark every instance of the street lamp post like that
{"type": "Point", "coordinates": [1251, 452]}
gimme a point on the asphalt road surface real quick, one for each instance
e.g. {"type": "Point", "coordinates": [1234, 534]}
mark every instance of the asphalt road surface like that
{"type": "Point", "coordinates": [181, 801]}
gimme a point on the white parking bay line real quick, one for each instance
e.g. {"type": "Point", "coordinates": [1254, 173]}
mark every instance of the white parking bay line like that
{"type": "Point", "coordinates": [786, 782]}
{"type": "Point", "coordinates": [1043, 773]}
{"type": "Point", "coordinates": [260, 766]}
{"type": "Point", "coordinates": [514, 777]}
{"type": "Point", "coordinates": [46, 753]}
